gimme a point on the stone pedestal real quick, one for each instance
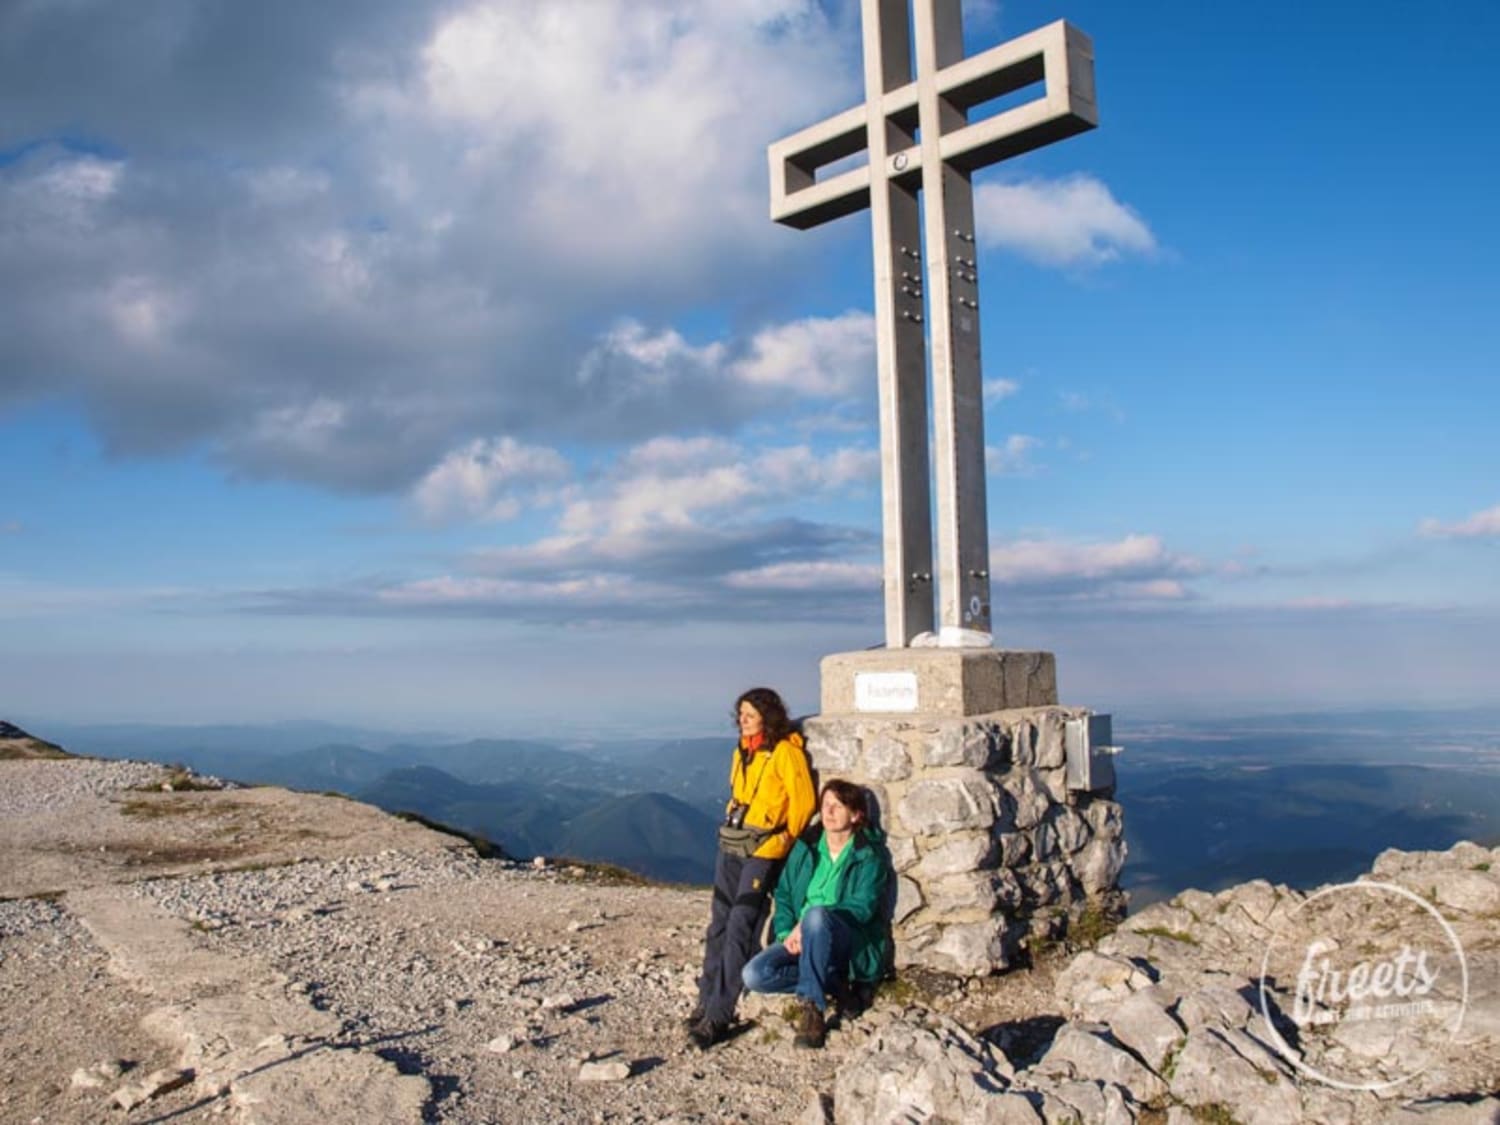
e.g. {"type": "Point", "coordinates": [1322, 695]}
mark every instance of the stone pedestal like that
{"type": "Point", "coordinates": [968, 771]}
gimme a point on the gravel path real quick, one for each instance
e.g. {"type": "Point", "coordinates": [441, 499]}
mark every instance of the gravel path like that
{"type": "Point", "coordinates": [516, 994]}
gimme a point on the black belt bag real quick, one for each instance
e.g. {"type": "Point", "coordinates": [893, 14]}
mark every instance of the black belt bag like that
{"type": "Point", "coordinates": [743, 841]}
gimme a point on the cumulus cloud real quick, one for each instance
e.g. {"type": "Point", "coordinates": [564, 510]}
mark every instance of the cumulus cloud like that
{"type": "Point", "coordinates": [808, 576]}
{"type": "Point", "coordinates": [672, 526]}
{"type": "Point", "coordinates": [997, 389]}
{"type": "Point", "coordinates": [1075, 221]}
{"type": "Point", "coordinates": [815, 357]}
{"type": "Point", "coordinates": [490, 480]}
{"type": "Point", "coordinates": [1133, 568]}
{"type": "Point", "coordinates": [674, 482]}
{"type": "Point", "coordinates": [1013, 458]}
{"type": "Point", "coordinates": [1481, 525]}
{"type": "Point", "coordinates": [335, 242]}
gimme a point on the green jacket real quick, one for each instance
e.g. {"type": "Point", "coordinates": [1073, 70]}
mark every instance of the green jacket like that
{"type": "Point", "coordinates": [861, 897]}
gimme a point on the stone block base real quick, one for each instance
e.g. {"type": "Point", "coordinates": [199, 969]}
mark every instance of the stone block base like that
{"type": "Point", "coordinates": [989, 846]}
{"type": "Point", "coordinates": [937, 681]}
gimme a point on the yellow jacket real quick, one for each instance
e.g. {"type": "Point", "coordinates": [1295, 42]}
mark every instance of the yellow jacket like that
{"type": "Point", "coordinates": [777, 786]}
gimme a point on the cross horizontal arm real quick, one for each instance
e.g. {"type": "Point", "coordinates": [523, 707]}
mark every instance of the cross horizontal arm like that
{"type": "Point", "coordinates": [1058, 55]}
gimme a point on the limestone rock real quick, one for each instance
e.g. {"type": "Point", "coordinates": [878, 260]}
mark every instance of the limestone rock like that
{"type": "Point", "coordinates": [885, 759]}
{"type": "Point", "coordinates": [818, 1111]}
{"type": "Point", "coordinates": [908, 899]}
{"type": "Point", "coordinates": [604, 1071]}
{"type": "Point", "coordinates": [1092, 979]}
{"type": "Point", "coordinates": [155, 1084]}
{"type": "Point", "coordinates": [1085, 1052]}
{"type": "Point", "coordinates": [965, 744]}
{"type": "Point", "coordinates": [948, 804]}
{"type": "Point", "coordinates": [1098, 865]}
{"type": "Point", "coordinates": [1209, 1071]}
{"type": "Point", "coordinates": [1069, 1100]}
{"type": "Point", "coordinates": [1142, 1023]}
{"type": "Point", "coordinates": [970, 949]}
{"type": "Point", "coordinates": [1475, 892]}
{"type": "Point", "coordinates": [964, 853]}
{"type": "Point", "coordinates": [903, 851]}
{"type": "Point", "coordinates": [99, 1075]}
{"type": "Point", "coordinates": [907, 1073]}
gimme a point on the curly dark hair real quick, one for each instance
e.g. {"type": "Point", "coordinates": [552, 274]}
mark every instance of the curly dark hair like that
{"type": "Point", "coordinates": [772, 712]}
{"type": "Point", "coordinates": [851, 796]}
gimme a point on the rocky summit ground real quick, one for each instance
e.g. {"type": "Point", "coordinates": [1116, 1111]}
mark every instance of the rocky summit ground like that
{"type": "Point", "coordinates": [175, 951]}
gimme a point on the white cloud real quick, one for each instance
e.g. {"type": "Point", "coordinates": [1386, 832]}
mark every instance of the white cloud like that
{"type": "Point", "coordinates": [1481, 525]}
{"type": "Point", "coordinates": [824, 358]}
{"type": "Point", "coordinates": [489, 480]}
{"type": "Point", "coordinates": [674, 482]}
{"type": "Point", "coordinates": [1013, 458]}
{"type": "Point", "coordinates": [1134, 568]}
{"type": "Point", "coordinates": [507, 179]}
{"type": "Point", "coordinates": [808, 576]}
{"type": "Point", "coordinates": [620, 127]}
{"type": "Point", "coordinates": [997, 389]}
{"type": "Point", "coordinates": [1074, 221]}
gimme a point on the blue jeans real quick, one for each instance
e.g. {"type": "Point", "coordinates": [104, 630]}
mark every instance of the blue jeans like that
{"type": "Point", "coordinates": [826, 942]}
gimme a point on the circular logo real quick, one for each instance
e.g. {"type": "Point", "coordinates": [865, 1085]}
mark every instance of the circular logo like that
{"type": "Point", "coordinates": [1362, 985]}
{"type": "Point", "coordinates": [898, 162]}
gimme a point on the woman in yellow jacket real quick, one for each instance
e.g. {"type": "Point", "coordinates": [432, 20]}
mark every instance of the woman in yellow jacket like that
{"type": "Point", "coordinates": [771, 800]}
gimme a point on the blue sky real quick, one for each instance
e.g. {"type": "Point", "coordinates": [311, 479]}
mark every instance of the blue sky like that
{"type": "Point", "coordinates": [437, 365]}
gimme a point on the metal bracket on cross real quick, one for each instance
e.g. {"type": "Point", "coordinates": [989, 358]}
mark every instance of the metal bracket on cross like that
{"type": "Point", "coordinates": [917, 132]}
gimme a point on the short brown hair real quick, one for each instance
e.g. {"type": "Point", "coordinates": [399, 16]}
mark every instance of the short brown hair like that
{"type": "Point", "coordinates": [851, 796]}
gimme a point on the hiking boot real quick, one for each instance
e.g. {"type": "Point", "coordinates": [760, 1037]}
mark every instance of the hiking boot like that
{"type": "Point", "coordinates": [811, 1028]}
{"type": "Point", "coordinates": [843, 1004]}
{"type": "Point", "coordinates": [693, 1018]}
{"type": "Point", "coordinates": [705, 1033]}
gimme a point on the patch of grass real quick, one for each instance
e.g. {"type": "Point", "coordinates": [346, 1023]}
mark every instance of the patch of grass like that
{"type": "Point", "coordinates": [609, 874]}
{"type": "Point", "coordinates": [179, 779]}
{"type": "Point", "coordinates": [32, 749]}
{"type": "Point", "coordinates": [1174, 935]}
{"type": "Point", "coordinates": [139, 855]}
{"type": "Point", "coordinates": [1481, 867]}
{"type": "Point", "coordinates": [897, 990]}
{"type": "Point", "coordinates": [157, 809]}
{"type": "Point", "coordinates": [1215, 1113]}
{"type": "Point", "coordinates": [1091, 927]}
{"type": "Point", "coordinates": [1169, 1064]}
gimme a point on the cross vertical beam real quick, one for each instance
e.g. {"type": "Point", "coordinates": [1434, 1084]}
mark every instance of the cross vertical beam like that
{"type": "Point", "coordinates": [906, 524]}
{"type": "Point", "coordinates": [953, 307]}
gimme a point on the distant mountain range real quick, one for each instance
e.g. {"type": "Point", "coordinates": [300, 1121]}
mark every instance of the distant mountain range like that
{"type": "Point", "coordinates": [1302, 799]}
{"type": "Point", "coordinates": [649, 807]}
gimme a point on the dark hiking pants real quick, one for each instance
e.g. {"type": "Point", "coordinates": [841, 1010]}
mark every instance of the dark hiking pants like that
{"type": "Point", "coordinates": [742, 899]}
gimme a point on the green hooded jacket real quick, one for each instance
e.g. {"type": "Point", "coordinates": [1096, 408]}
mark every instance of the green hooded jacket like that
{"type": "Point", "coordinates": [861, 897]}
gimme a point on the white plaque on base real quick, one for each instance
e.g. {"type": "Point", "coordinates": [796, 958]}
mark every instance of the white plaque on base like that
{"type": "Point", "coordinates": [885, 691]}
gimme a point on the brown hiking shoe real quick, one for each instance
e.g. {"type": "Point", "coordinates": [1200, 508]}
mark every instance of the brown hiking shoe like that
{"type": "Point", "coordinates": [811, 1029]}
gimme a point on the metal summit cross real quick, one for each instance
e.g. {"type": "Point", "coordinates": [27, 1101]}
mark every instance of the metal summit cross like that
{"type": "Point", "coordinates": [919, 138]}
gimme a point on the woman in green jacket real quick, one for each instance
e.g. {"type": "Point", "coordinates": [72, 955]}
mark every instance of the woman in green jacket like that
{"type": "Point", "coordinates": [829, 927]}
